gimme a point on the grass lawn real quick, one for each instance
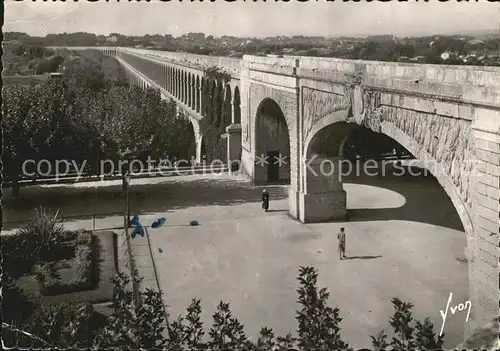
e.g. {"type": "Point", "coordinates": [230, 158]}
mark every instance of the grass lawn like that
{"type": "Point", "coordinates": [103, 250]}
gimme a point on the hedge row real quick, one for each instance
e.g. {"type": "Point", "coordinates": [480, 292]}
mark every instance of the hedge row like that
{"type": "Point", "coordinates": [21, 251]}
{"type": "Point", "coordinates": [82, 279]}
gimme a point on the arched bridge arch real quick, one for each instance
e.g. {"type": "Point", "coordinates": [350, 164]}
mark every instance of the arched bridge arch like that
{"type": "Point", "coordinates": [272, 144]}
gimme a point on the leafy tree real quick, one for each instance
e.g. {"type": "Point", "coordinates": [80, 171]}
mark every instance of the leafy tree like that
{"type": "Point", "coordinates": [138, 320]}
{"type": "Point", "coordinates": [49, 65]}
{"type": "Point", "coordinates": [92, 114]}
{"type": "Point", "coordinates": [408, 337]}
{"type": "Point", "coordinates": [18, 133]}
{"type": "Point", "coordinates": [119, 333]}
{"type": "Point", "coordinates": [318, 324]}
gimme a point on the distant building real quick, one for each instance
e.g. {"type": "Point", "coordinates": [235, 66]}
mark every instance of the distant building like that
{"type": "Point", "coordinates": [112, 39]}
{"type": "Point", "coordinates": [475, 42]}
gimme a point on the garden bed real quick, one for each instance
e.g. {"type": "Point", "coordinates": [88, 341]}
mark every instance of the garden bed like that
{"type": "Point", "coordinates": [21, 252]}
{"type": "Point", "coordinates": [103, 271]}
{"type": "Point", "coordinates": [67, 276]}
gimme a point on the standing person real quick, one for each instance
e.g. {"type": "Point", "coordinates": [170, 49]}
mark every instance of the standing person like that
{"type": "Point", "coordinates": [341, 238]}
{"type": "Point", "coordinates": [265, 200]}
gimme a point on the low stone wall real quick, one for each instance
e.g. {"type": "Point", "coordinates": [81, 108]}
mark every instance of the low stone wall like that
{"type": "Point", "coordinates": [126, 263]}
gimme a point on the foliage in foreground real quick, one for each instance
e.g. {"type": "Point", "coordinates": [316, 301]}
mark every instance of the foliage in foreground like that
{"type": "Point", "coordinates": [142, 325]}
{"type": "Point", "coordinates": [138, 318]}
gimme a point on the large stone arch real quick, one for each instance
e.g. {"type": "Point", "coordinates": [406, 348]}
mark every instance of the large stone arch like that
{"type": "Point", "coordinates": [187, 89]}
{"type": "Point", "coordinates": [179, 84]}
{"type": "Point", "coordinates": [180, 91]}
{"type": "Point", "coordinates": [189, 101]}
{"type": "Point", "coordinates": [211, 107]}
{"type": "Point", "coordinates": [218, 104]}
{"type": "Point", "coordinates": [198, 138]}
{"type": "Point", "coordinates": [212, 103]}
{"type": "Point", "coordinates": [336, 127]}
{"type": "Point", "coordinates": [197, 90]}
{"type": "Point", "coordinates": [167, 78]}
{"type": "Point", "coordinates": [434, 167]}
{"type": "Point", "coordinates": [203, 95]}
{"type": "Point", "coordinates": [272, 144]}
{"type": "Point", "coordinates": [336, 131]}
{"type": "Point", "coordinates": [228, 106]}
{"type": "Point", "coordinates": [176, 83]}
{"type": "Point", "coordinates": [170, 80]}
{"type": "Point", "coordinates": [184, 87]}
{"type": "Point", "coordinates": [236, 106]}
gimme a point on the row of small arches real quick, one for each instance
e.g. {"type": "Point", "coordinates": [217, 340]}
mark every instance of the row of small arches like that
{"type": "Point", "coordinates": [211, 99]}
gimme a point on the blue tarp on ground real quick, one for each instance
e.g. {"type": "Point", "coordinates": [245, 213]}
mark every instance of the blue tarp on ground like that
{"type": "Point", "coordinates": [138, 230]}
{"type": "Point", "coordinates": [134, 221]}
{"type": "Point", "coordinates": [159, 222]}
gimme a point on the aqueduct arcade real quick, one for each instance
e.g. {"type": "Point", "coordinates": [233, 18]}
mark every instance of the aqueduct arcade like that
{"type": "Point", "coordinates": [299, 108]}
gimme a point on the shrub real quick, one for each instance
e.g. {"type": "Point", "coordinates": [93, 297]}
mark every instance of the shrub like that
{"type": "Point", "coordinates": [139, 323]}
{"type": "Point", "coordinates": [84, 238]}
{"type": "Point", "coordinates": [65, 325]}
{"type": "Point", "coordinates": [50, 284]}
{"type": "Point", "coordinates": [16, 306]}
{"type": "Point", "coordinates": [408, 336]}
{"type": "Point", "coordinates": [70, 235]}
{"type": "Point", "coordinates": [44, 230]}
{"type": "Point", "coordinates": [82, 279]}
{"type": "Point", "coordinates": [83, 262]}
{"type": "Point", "coordinates": [42, 239]}
{"type": "Point", "coordinates": [19, 254]}
{"type": "Point", "coordinates": [44, 272]}
{"type": "Point", "coordinates": [49, 65]}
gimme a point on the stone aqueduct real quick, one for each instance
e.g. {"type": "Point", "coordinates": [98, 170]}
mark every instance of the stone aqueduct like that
{"type": "Point", "coordinates": [446, 116]}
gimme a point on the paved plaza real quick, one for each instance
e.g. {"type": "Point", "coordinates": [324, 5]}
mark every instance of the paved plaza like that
{"type": "Point", "coordinates": [403, 240]}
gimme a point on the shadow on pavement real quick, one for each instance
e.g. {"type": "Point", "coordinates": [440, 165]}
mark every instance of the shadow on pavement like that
{"type": "Point", "coordinates": [426, 202]}
{"type": "Point", "coordinates": [144, 198]}
{"type": "Point", "coordinates": [361, 257]}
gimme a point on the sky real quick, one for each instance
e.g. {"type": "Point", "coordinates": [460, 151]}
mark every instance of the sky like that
{"type": "Point", "coordinates": [250, 19]}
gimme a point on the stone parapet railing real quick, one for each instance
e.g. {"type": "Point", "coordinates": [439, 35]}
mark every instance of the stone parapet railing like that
{"type": "Point", "coordinates": [478, 76]}
{"type": "Point", "coordinates": [484, 77]}
{"type": "Point", "coordinates": [231, 65]}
